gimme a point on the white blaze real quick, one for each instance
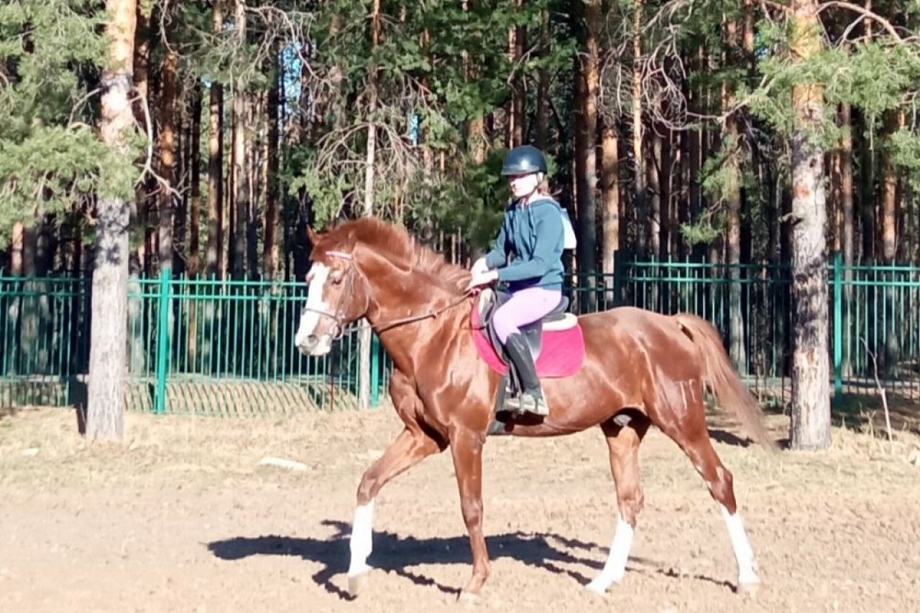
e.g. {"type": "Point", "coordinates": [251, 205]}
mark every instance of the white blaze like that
{"type": "Point", "coordinates": [315, 304]}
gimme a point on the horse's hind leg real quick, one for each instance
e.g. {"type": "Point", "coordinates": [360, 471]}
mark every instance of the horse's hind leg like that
{"type": "Point", "coordinates": [410, 447]}
{"type": "Point", "coordinates": [623, 443]}
{"type": "Point", "coordinates": [690, 433]}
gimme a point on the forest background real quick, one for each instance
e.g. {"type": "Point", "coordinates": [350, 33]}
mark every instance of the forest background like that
{"type": "Point", "coordinates": [203, 138]}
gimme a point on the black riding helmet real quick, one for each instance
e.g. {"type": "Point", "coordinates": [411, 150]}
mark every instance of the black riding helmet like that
{"type": "Point", "coordinates": [523, 160]}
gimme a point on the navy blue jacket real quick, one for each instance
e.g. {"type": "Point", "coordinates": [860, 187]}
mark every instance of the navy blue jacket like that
{"type": "Point", "coordinates": [534, 236]}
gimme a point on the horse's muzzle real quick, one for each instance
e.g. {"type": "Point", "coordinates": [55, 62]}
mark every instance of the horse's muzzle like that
{"type": "Point", "coordinates": [314, 345]}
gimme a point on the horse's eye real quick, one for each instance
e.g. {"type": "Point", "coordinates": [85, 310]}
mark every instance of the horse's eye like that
{"type": "Point", "coordinates": [337, 278]}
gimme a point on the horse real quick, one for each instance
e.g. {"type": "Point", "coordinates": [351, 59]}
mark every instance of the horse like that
{"type": "Point", "coordinates": [639, 368]}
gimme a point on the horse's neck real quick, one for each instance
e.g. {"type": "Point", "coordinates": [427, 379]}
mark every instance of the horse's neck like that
{"type": "Point", "coordinates": [423, 295]}
{"type": "Point", "coordinates": [433, 305]}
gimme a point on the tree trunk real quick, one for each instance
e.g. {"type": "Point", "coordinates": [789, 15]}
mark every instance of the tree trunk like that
{"type": "Point", "coordinates": [688, 139]}
{"type": "Point", "coordinates": [639, 204]}
{"type": "Point", "coordinates": [664, 186]}
{"type": "Point", "coordinates": [140, 260]}
{"type": "Point", "coordinates": [516, 52]}
{"type": "Point", "coordinates": [105, 393]}
{"type": "Point", "coordinates": [166, 145]}
{"type": "Point", "coordinates": [365, 335]}
{"type": "Point", "coordinates": [847, 214]}
{"type": "Point", "coordinates": [215, 163]}
{"type": "Point", "coordinates": [653, 179]}
{"type": "Point", "coordinates": [586, 152]}
{"type": "Point", "coordinates": [610, 196]}
{"type": "Point", "coordinates": [271, 254]}
{"type": "Point", "coordinates": [811, 423]}
{"type": "Point", "coordinates": [542, 111]}
{"type": "Point", "coordinates": [255, 112]}
{"type": "Point", "coordinates": [240, 205]}
{"type": "Point", "coordinates": [181, 172]}
{"type": "Point", "coordinates": [889, 242]}
{"type": "Point", "coordinates": [34, 305]}
{"type": "Point", "coordinates": [731, 143]}
{"type": "Point", "coordinates": [15, 309]}
{"type": "Point", "coordinates": [194, 230]}
{"type": "Point", "coordinates": [889, 184]}
{"type": "Point", "coordinates": [142, 193]}
{"type": "Point", "coordinates": [16, 248]}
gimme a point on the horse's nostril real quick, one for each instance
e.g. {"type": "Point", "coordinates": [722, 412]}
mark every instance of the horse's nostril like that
{"type": "Point", "coordinates": [312, 340]}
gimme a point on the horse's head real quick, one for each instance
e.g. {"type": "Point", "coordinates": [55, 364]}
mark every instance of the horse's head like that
{"type": "Point", "coordinates": [338, 294]}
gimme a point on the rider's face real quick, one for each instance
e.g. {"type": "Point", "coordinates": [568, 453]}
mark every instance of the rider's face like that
{"type": "Point", "coordinates": [523, 185]}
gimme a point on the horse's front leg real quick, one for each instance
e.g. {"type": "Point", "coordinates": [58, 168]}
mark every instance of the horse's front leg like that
{"type": "Point", "coordinates": [410, 447]}
{"type": "Point", "coordinates": [466, 448]}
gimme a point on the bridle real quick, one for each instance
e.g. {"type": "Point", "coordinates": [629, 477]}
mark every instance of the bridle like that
{"type": "Point", "coordinates": [345, 299]}
{"type": "Point", "coordinates": [338, 316]}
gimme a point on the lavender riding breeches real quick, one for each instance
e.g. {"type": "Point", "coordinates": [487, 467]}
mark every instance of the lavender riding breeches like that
{"type": "Point", "coordinates": [524, 307]}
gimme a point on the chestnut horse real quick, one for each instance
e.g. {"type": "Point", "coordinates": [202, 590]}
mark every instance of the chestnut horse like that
{"type": "Point", "coordinates": [640, 368]}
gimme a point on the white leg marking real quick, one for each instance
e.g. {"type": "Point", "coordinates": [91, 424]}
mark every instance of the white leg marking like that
{"type": "Point", "coordinates": [744, 555]}
{"type": "Point", "coordinates": [361, 539]}
{"type": "Point", "coordinates": [615, 567]}
{"type": "Point", "coordinates": [318, 275]}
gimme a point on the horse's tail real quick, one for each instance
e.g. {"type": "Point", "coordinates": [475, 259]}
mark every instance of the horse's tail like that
{"type": "Point", "coordinates": [722, 378]}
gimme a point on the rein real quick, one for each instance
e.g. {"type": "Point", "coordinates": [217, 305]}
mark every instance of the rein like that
{"type": "Point", "coordinates": [413, 318]}
{"type": "Point", "coordinates": [338, 316]}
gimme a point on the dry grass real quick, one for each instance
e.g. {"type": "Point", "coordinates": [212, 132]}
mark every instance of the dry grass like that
{"type": "Point", "coordinates": [41, 448]}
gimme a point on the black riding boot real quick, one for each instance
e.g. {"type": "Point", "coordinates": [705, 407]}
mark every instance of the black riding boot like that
{"type": "Point", "coordinates": [531, 399]}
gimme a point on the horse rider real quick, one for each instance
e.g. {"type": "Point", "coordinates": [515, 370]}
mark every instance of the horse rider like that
{"type": "Point", "coordinates": [533, 233]}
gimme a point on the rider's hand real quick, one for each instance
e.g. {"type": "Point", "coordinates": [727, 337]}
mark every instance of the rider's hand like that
{"type": "Point", "coordinates": [479, 267]}
{"type": "Point", "coordinates": [482, 278]}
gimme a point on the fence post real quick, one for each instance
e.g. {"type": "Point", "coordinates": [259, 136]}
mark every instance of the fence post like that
{"type": "Point", "coordinates": [163, 300]}
{"type": "Point", "coordinates": [375, 370]}
{"type": "Point", "coordinates": [838, 327]}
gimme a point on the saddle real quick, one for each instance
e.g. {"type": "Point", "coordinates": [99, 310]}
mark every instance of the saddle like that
{"type": "Point", "coordinates": [556, 320]}
{"type": "Point", "coordinates": [556, 343]}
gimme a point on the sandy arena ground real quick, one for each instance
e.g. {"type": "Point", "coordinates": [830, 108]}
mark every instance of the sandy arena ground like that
{"type": "Point", "coordinates": [183, 518]}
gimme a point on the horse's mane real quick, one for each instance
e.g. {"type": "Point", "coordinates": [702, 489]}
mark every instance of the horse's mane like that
{"type": "Point", "coordinates": [399, 247]}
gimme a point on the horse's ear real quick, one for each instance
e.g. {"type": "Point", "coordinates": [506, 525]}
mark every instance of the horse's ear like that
{"type": "Point", "coordinates": [312, 235]}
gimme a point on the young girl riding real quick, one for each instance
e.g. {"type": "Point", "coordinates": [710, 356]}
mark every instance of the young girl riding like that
{"type": "Point", "coordinates": [533, 234]}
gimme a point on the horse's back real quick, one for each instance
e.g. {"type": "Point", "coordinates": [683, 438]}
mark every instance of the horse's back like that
{"type": "Point", "coordinates": [630, 317]}
{"type": "Point", "coordinates": [626, 326]}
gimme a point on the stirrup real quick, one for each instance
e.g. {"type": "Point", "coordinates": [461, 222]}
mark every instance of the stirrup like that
{"type": "Point", "coordinates": [528, 402]}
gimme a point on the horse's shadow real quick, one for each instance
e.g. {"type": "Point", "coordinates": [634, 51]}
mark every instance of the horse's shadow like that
{"type": "Point", "coordinates": [393, 553]}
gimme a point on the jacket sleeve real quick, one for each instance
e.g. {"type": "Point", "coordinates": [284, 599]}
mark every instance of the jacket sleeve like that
{"type": "Point", "coordinates": [548, 251]}
{"type": "Point", "coordinates": [499, 253]}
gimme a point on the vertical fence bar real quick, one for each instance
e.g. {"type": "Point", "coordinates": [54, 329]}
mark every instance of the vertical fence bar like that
{"type": "Point", "coordinates": [163, 306]}
{"type": "Point", "coordinates": [375, 370]}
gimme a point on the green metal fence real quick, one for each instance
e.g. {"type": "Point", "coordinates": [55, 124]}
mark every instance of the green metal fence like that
{"type": "Point", "coordinates": [874, 311]}
{"type": "Point", "coordinates": [194, 346]}
{"type": "Point", "coordinates": [226, 347]}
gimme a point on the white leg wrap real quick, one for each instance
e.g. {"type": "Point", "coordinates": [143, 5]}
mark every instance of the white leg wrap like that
{"type": "Point", "coordinates": [744, 555]}
{"type": "Point", "coordinates": [361, 539]}
{"type": "Point", "coordinates": [615, 567]}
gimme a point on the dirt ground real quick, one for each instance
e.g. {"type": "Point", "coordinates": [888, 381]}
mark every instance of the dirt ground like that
{"type": "Point", "coordinates": [183, 517]}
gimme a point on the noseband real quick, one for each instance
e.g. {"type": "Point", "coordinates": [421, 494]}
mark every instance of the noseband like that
{"type": "Point", "coordinates": [345, 299]}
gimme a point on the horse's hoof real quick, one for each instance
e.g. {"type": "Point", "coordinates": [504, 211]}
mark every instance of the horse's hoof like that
{"type": "Point", "coordinates": [748, 588]}
{"type": "Point", "coordinates": [468, 599]}
{"type": "Point", "coordinates": [596, 588]}
{"type": "Point", "coordinates": [356, 584]}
